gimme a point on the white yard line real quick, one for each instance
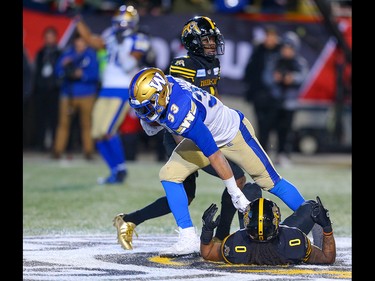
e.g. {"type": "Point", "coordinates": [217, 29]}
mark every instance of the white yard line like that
{"type": "Point", "coordinates": [96, 257]}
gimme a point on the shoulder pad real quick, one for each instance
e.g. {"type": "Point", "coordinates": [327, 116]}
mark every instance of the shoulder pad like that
{"type": "Point", "coordinates": [183, 67]}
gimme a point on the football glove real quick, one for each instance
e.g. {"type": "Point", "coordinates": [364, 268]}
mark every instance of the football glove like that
{"type": "Point", "coordinates": [240, 202]}
{"type": "Point", "coordinates": [150, 129]}
{"type": "Point", "coordinates": [209, 224]}
{"type": "Point", "coordinates": [320, 215]}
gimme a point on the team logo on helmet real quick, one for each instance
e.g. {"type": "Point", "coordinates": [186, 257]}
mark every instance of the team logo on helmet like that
{"type": "Point", "coordinates": [191, 28]}
{"type": "Point", "coordinates": [149, 93]}
{"type": "Point", "coordinates": [196, 30]}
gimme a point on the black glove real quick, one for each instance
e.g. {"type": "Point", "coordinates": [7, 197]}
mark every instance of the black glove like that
{"type": "Point", "coordinates": [209, 224]}
{"type": "Point", "coordinates": [320, 215]}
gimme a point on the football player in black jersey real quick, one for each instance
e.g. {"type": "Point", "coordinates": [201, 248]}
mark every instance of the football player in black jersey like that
{"type": "Point", "coordinates": [201, 67]}
{"type": "Point", "coordinates": [266, 241]}
{"type": "Point", "coordinates": [203, 42]}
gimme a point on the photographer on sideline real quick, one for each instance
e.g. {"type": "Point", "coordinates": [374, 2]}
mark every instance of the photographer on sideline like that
{"type": "Point", "coordinates": [78, 69]}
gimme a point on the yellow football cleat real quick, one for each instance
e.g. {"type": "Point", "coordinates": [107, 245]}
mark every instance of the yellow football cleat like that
{"type": "Point", "coordinates": [124, 232]}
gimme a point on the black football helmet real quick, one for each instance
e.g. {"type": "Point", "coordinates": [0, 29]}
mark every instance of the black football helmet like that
{"type": "Point", "coordinates": [261, 219]}
{"type": "Point", "coordinates": [198, 29]}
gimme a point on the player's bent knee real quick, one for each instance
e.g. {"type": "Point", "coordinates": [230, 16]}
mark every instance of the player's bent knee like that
{"type": "Point", "coordinates": [265, 183]}
{"type": "Point", "coordinates": [167, 173]}
{"type": "Point", "coordinates": [97, 134]}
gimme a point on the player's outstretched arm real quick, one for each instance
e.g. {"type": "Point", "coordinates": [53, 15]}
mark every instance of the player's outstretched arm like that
{"type": "Point", "coordinates": [326, 255]}
{"type": "Point", "coordinates": [94, 40]}
{"type": "Point", "coordinates": [210, 250]}
{"type": "Point", "coordinates": [223, 169]}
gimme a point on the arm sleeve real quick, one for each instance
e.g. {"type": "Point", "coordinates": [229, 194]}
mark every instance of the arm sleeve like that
{"type": "Point", "coordinates": [202, 137]}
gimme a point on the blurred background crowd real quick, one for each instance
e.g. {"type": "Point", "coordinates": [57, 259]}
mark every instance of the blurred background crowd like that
{"type": "Point", "coordinates": [160, 7]}
{"type": "Point", "coordinates": [316, 118]}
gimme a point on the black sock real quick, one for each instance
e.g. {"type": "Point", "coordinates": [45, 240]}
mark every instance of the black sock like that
{"type": "Point", "coordinates": [158, 208]}
{"type": "Point", "coordinates": [226, 216]}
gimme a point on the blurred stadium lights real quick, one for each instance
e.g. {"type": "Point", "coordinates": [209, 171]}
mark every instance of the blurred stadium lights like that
{"type": "Point", "coordinates": [230, 5]}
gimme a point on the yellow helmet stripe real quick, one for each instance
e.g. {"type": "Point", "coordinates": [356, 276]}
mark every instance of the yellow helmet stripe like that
{"type": "Point", "coordinates": [260, 219]}
{"type": "Point", "coordinates": [210, 21]}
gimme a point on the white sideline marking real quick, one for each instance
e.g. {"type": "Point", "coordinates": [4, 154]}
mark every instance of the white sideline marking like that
{"type": "Point", "coordinates": [81, 258]}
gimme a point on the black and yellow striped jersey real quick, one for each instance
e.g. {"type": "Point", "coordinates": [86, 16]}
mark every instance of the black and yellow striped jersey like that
{"type": "Point", "coordinates": [291, 246]}
{"type": "Point", "coordinates": [200, 71]}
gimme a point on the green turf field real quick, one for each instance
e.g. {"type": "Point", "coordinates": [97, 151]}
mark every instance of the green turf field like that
{"type": "Point", "coordinates": [61, 197]}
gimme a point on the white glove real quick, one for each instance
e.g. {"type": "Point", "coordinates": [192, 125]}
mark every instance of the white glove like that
{"type": "Point", "coordinates": [240, 202]}
{"type": "Point", "coordinates": [150, 130]}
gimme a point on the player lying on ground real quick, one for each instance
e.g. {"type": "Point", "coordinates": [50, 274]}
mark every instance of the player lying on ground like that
{"type": "Point", "coordinates": [266, 241]}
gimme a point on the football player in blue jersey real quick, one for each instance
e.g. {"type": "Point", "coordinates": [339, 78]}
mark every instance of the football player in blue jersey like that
{"type": "Point", "coordinates": [212, 134]}
{"type": "Point", "coordinates": [201, 66]}
{"type": "Point", "coordinates": [265, 240]}
{"type": "Point", "coordinates": [127, 50]}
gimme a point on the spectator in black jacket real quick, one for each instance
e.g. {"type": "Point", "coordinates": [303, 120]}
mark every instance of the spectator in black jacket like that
{"type": "Point", "coordinates": [257, 92]}
{"type": "Point", "coordinates": [27, 80]}
{"type": "Point", "coordinates": [284, 77]}
{"type": "Point", "coordinates": [46, 90]}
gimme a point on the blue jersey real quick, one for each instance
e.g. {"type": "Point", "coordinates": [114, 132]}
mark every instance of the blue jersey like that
{"type": "Point", "coordinates": [197, 115]}
{"type": "Point", "coordinates": [118, 72]}
{"type": "Point", "coordinates": [86, 61]}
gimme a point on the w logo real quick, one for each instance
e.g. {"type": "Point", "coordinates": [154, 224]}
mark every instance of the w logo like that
{"type": "Point", "coordinates": [157, 82]}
